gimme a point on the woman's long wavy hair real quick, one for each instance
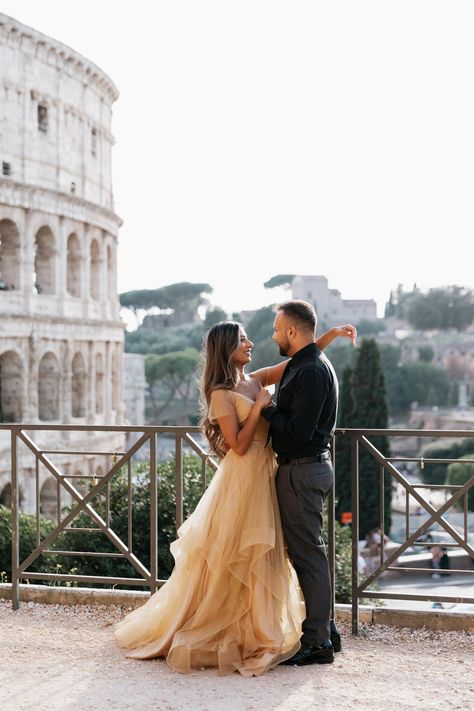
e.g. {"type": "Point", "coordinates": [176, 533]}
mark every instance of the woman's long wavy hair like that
{"type": "Point", "coordinates": [218, 371]}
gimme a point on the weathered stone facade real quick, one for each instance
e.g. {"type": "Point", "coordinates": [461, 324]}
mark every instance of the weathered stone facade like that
{"type": "Point", "coordinates": [61, 338]}
{"type": "Point", "coordinates": [329, 304]}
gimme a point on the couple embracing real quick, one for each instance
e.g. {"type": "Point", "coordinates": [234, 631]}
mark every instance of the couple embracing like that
{"type": "Point", "coordinates": [251, 587]}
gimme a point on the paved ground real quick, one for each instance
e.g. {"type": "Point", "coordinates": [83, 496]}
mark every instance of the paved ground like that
{"type": "Point", "coordinates": [423, 584]}
{"type": "Point", "coordinates": [58, 658]}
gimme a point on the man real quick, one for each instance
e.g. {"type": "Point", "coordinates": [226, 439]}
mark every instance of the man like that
{"type": "Point", "coordinates": [302, 424]}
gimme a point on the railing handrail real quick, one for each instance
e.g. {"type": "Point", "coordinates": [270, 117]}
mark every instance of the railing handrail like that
{"type": "Point", "coordinates": [359, 437]}
{"type": "Point", "coordinates": [181, 433]}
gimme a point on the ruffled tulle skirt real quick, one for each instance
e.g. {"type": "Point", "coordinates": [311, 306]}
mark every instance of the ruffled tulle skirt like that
{"type": "Point", "coordinates": [232, 600]}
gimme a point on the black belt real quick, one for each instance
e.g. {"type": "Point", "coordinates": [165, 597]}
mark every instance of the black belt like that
{"type": "Point", "coordinates": [323, 457]}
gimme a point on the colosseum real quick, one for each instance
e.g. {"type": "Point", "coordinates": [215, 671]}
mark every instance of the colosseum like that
{"type": "Point", "coordinates": [61, 338]}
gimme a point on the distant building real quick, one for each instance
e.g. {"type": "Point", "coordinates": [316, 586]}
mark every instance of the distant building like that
{"type": "Point", "coordinates": [329, 304]}
{"type": "Point", "coordinates": [134, 388]}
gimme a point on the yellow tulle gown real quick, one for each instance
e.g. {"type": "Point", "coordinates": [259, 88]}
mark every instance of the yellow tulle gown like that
{"type": "Point", "coordinates": [232, 600]}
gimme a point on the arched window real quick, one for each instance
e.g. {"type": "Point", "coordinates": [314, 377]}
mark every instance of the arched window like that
{"type": "Point", "coordinates": [74, 258]}
{"type": "Point", "coordinates": [110, 274]}
{"type": "Point", "coordinates": [78, 385]}
{"type": "Point", "coordinates": [9, 255]}
{"type": "Point", "coordinates": [6, 496]}
{"type": "Point", "coordinates": [48, 388]}
{"type": "Point", "coordinates": [49, 498]}
{"type": "Point", "coordinates": [10, 387]}
{"type": "Point", "coordinates": [99, 383]}
{"type": "Point", "coordinates": [44, 281]}
{"type": "Point", "coordinates": [95, 269]}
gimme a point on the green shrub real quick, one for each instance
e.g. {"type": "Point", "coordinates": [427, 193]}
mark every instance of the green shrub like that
{"type": "Point", "coordinates": [27, 531]}
{"type": "Point", "coordinates": [98, 541]}
{"type": "Point", "coordinates": [437, 473]}
{"type": "Point", "coordinates": [458, 474]}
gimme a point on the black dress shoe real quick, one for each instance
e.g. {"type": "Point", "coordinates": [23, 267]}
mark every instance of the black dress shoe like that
{"type": "Point", "coordinates": [309, 654]}
{"type": "Point", "coordinates": [335, 637]}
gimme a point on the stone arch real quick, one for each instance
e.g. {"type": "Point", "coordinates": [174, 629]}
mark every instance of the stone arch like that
{"type": "Point", "coordinates": [44, 280]}
{"type": "Point", "coordinates": [48, 388]}
{"type": "Point", "coordinates": [11, 371]}
{"type": "Point", "coordinates": [6, 496]}
{"type": "Point", "coordinates": [10, 258]}
{"type": "Point", "coordinates": [49, 498]}
{"type": "Point", "coordinates": [74, 266]}
{"type": "Point", "coordinates": [78, 384]}
{"type": "Point", "coordinates": [95, 269]}
{"type": "Point", "coordinates": [99, 383]}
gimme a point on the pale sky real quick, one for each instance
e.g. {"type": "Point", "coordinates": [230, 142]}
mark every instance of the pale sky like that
{"type": "Point", "coordinates": [261, 137]}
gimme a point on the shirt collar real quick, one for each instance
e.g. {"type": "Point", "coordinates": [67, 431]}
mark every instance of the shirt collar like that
{"type": "Point", "coordinates": [309, 351]}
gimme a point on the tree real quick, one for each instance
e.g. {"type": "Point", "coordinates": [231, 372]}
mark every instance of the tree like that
{"type": "Point", "coordinates": [426, 354]}
{"type": "Point", "coordinates": [183, 298]}
{"type": "Point", "coordinates": [213, 316]}
{"type": "Point", "coordinates": [279, 280]}
{"type": "Point", "coordinates": [368, 327]}
{"type": "Point", "coordinates": [424, 383]}
{"type": "Point", "coordinates": [458, 474]}
{"type": "Point", "coordinates": [371, 411]}
{"type": "Point", "coordinates": [449, 308]}
{"type": "Point", "coordinates": [170, 376]}
{"type": "Point", "coordinates": [399, 301]}
{"type": "Point", "coordinates": [436, 473]}
{"type": "Point", "coordinates": [343, 445]}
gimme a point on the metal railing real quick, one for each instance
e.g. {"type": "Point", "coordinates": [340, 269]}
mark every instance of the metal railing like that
{"type": "Point", "coordinates": [360, 438]}
{"type": "Point", "coordinates": [146, 438]}
{"type": "Point", "coordinates": [146, 446]}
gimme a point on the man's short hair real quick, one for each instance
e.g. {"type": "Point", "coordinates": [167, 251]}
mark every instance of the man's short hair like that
{"type": "Point", "coordinates": [301, 313]}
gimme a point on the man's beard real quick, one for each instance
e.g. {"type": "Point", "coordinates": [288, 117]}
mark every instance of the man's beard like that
{"type": "Point", "coordinates": [284, 348]}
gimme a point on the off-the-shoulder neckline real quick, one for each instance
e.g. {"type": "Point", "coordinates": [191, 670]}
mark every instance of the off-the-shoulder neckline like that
{"type": "Point", "coordinates": [242, 395]}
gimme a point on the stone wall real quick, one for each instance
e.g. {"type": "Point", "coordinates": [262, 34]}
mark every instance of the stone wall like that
{"type": "Point", "coordinates": [329, 304]}
{"type": "Point", "coordinates": [61, 338]}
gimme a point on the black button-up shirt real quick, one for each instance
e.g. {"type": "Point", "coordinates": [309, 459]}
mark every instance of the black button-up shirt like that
{"type": "Point", "coordinates": [302, 422]}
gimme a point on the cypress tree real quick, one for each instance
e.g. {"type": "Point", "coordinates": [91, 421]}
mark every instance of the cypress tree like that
{"type": "Point", "coordinates": [343, 445]}
{"type": "Point", "coordinates": [371, 411]}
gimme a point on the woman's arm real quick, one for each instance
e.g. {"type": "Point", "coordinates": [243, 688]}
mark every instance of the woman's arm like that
{"type": "Point", "coordinates": [273, 373]}
{"type": "Point", "coordinates": [346, 331]}
{"type": "Point", "coordinates": [270, 375]}
{"type": "Point", "coordinates": [239, 438]}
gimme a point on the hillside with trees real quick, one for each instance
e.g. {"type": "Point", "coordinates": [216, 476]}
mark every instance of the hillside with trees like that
{"type": "Point", "coordinates": [418, 366]}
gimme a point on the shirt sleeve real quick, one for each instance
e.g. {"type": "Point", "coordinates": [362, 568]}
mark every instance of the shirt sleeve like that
{"type": "Point", "coordinates": [221, 405]}
{"type": "Point", "coordinates": [310, 394]}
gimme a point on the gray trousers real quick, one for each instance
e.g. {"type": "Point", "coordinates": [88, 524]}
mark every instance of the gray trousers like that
{"type": "Point", "coordinates": [301, 490]}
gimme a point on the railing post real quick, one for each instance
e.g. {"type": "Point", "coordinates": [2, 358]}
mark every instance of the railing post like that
{"type": "Point", "coordinates": [153, 515]}
{"type": "Point", "coordinates": [331, 509]}
{"type": "Point", "coordinates": [355, 532]}
{"type": "Point", "coordinates": [15, 522]}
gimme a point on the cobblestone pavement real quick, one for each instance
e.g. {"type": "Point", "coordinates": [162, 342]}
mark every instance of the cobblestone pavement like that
{"type": "Point", "coordinates": [64, 658]}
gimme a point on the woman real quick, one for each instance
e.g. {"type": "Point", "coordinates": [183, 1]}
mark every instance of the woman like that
{"type": "Point", "coordinates": [232, 599]}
